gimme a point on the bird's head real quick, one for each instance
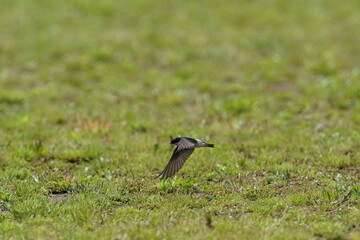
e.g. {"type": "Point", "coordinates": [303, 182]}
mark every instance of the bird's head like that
{"type": "Point", "coordinates": [175, 141]}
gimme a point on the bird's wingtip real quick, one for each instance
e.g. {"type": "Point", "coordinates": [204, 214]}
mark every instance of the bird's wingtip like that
{"type": "Point", "coordinates": [161, 176]}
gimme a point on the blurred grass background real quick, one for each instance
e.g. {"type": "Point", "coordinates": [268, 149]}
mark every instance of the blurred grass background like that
{"type": "Point", "coordinates": [91, 91]}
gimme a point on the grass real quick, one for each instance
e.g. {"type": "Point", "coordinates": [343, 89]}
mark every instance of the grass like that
{"type": "Point", "coordinates": [91, 91]}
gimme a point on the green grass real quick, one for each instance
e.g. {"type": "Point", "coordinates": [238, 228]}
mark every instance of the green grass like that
{"type": "Point", "coordinates": [90, 92]}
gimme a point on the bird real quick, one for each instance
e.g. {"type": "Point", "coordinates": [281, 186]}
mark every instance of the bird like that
{"type": "Point", "coordinates": [185, 146]}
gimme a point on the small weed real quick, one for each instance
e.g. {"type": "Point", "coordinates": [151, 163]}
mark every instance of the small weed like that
{"type": "Point", "coordinates": [176, 184]}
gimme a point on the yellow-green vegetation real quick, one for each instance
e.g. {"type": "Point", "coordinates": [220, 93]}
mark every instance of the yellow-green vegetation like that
{"type": "Point", "coordinates": [90, 92]}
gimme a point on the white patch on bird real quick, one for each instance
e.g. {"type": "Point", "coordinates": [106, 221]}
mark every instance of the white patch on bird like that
{"type": "Point", "coordinates": [200, 143]}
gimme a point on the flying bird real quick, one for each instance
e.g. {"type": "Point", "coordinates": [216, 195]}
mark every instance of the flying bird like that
{"type": "Point", "coordinates": [185, 147]}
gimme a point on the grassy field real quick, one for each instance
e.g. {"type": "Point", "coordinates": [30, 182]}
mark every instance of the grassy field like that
{"type": "Point", "coordinates": [91, 91]}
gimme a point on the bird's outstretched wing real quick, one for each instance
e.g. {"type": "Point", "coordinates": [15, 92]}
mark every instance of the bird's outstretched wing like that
{"type": "Point", "coordinates": [176, 162]}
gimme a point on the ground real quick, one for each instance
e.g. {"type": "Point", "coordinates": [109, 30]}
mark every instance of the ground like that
{"type": "Point", "coordinates": [91, 91]}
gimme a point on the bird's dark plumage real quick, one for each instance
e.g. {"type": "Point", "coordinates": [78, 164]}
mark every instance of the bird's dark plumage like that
{"type": "Point", "coordinates": [185, 147]}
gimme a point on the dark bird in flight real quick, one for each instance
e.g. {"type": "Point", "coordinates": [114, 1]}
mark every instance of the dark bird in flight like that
{"type": "Point", "coordinates": [185, 147]}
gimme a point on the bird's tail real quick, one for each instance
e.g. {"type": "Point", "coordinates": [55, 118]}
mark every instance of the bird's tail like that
{"type": "Point", "coordinates": [210, 145]}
